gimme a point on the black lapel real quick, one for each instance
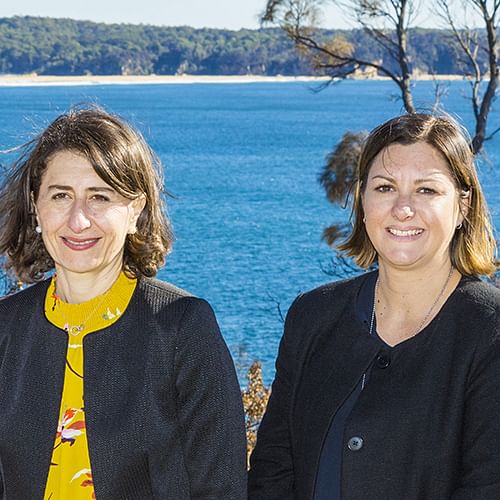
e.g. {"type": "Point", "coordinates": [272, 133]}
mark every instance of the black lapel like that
{"type": "Point", "coordinates": [341, 353]}
{"type": "Point", "coordinates": [31, 376]}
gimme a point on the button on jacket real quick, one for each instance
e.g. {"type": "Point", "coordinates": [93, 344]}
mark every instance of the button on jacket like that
{"type": "Point", "coordinates": [163, 407]}
{"type": "Point", "coordinates": [426, 426]}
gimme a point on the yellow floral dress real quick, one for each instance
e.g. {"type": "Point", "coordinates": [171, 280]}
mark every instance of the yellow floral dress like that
{"type": "Point", "coordinates": [70, 473]}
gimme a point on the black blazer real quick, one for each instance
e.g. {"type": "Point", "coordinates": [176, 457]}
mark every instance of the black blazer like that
{"type": "Point", "coordinates": [429, 421]}
{"type": "Point", "coordinates": [162, 403]}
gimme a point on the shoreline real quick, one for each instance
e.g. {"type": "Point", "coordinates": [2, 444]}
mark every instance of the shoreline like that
{"type": "Point", "coordinates": [47, 80]}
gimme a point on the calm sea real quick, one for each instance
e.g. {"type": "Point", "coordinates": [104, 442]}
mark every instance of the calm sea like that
{"type": "Point", "coordinates": [242, 161]}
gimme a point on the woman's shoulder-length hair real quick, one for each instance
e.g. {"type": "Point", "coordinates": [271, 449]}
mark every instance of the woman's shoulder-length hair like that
{"type": "Point", "coordinates": [473, 246]}
{"type": "Point", "coordinates": [120, 156]}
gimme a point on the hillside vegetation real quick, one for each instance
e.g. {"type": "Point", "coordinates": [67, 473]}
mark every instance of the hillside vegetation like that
{"type": "Point", "coordinates": [48, 46]}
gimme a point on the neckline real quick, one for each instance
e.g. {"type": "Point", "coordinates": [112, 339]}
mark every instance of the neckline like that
{"type": "Point", "coordinates": [78, 320]}
{"type": "Point", "coordinates": [368, 287]}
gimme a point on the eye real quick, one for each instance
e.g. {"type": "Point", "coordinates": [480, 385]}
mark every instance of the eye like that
{"type": "Point", "coordinates": [60, 196]}
{"type": "Point", "coordinates": [100, 197]}
{"type": "Point", "coordinates": [426, 190]}
{"type": "Point", "coordinates": [384, 188]}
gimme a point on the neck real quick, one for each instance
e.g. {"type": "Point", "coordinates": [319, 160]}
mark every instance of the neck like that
{"type": "Point", "coordinates": [76, 288]}
{"type": "Point", "coordinates": [406, 301]}
{"type": "Point", "coordinates": [398, 285]}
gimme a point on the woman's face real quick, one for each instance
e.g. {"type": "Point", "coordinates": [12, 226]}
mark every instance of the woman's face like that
{"type": "Point", "coordinates": [411, 206]}
{"type": "Point", "coordinates": [84, 221]}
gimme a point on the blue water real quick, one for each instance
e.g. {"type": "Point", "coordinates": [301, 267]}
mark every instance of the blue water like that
{"type": "Point", "coordinates": [242, 161]}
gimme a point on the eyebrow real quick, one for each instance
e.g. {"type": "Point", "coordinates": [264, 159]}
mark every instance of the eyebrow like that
{"type": "Point", "coordinates": [431, 177]}
{"type": "Point", "coordinates": [93, 189]}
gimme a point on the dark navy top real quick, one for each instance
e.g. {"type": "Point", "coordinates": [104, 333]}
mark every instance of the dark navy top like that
{"type": "Point", "coordinates": [328, 480]}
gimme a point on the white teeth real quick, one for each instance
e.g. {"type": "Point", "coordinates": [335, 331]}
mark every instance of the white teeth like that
{"type": "Point", "coordinates": [80, 243]}
{"type": "Point", "coordinates": [410, 232]}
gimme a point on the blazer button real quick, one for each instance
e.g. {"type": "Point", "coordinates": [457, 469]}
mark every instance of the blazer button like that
{"type": "Point", "coordinates": [355, 443]}
{"type": "Point", "coordinates": [383, 360]}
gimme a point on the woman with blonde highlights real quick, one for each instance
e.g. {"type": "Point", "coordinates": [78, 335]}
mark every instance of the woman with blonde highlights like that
{"type": "Point", "coordinates": [388, 385]}
{"type": "Point", "coordinates": [113, 384]}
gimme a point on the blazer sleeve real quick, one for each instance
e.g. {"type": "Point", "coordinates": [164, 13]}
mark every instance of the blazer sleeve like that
{"type": "Point", "coordinates": [210, 409]}
{"type": "Point", "coordinates": [271, 475]}
{"type": "Point", "coordinates": [480, 477]}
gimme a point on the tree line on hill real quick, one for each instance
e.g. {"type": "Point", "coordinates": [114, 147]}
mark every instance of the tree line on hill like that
{"type": "Point", "coordinates": [49, 46]}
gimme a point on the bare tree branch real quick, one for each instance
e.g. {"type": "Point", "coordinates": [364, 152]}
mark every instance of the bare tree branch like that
{"type": "Point", "coordinates": [385, 21]}
{"type": "Point", "coordinates": [277, 305]}
{"type": "Point", "coordinates": [492, 134]}
{"type": "Point", "coordinates": [471, 44]}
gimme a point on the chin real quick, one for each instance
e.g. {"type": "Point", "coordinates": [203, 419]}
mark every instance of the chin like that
{"type": "Point", "coordinates": [402, 261]}
{"type": "Point", "coordinates": [79, 267]}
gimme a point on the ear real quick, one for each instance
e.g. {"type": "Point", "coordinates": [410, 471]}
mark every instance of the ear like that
{"type": "Point", "coordinates": [32, 202]}
{"type": "Point", "coordinates": [137, 206]}
{"type": "Point", "coordinates": [464, 203]}
{"type": "Point", "coordinates": [362, 203]}
{"type": "Point", "coordinates": [33, 207]}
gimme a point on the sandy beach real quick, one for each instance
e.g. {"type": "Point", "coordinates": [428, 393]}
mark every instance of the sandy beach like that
{"type": "Point", "coordinates": [32, 79]}
{"type": "Point", "coordinates": [29, 80]}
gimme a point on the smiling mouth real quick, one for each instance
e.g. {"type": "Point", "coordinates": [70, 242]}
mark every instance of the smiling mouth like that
{"type": "Point", "coordinates": [79, 244]}
{"type": "Point", "coordinates": [403, 233]}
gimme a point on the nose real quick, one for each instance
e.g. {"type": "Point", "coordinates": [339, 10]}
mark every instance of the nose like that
{"type": "Point", "coordinates": [403, 208]}
{"type": "Point", "coordinates": [79, 219]}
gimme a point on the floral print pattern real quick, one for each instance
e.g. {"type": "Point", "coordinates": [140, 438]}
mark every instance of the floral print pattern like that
{"type": "Point", "coordinates": [70, 471]}
{"type": "Point", "coordinates": [70, 427]}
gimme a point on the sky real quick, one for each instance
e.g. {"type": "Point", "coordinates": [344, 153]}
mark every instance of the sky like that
{"type": "Point", "coordinates": [228, 14]}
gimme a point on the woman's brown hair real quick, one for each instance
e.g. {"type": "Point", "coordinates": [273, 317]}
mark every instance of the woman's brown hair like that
{"type": "Point", "coordinates": [120, 156]}
{"type": "Point", "coordinates": [473, 247]}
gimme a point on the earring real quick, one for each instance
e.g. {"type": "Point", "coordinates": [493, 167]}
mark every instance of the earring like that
{"type": "Point", "coordinates": [459, 227]}
{"type": "Point", "coordinates": [364, 220]}
{"type": "Point", "coordinates": [38, 229]}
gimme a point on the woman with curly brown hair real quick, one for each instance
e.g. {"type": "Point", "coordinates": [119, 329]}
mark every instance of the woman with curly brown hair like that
{"type": "Point", "coordinates": [112, 384]}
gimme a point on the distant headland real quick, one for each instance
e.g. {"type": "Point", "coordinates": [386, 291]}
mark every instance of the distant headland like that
{"type": "Point", "coordinates": [50, 47]}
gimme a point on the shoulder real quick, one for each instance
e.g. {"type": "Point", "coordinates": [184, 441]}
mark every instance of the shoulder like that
{"type": "Point", "coordinates": [154, 286]}
{"type": "Point", "coordinates": [328, 300]}
{"type": "Point", "coordinates": [169, 303]}
{"type": "Point", "coordinates": [347, 286]}
{"type": "Point", "coordinates": [24, 297]}
{"type": "Point", "coordinates": [472, 293]}
{"type": "Point", "coordinates": [475, 325]}
{"type": "Point", "coordinates": [476, 305]}
{"type": "Point", "coordinates": [192, 321]}
{"type": "Point", "coordinates": [17, 307]}
{"type": "Point", "coordinates": [160, 294]}
{"type": "Point", "coordinates": [475, 311]}
{"type": "Point", "coordinates": [318, 311]}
